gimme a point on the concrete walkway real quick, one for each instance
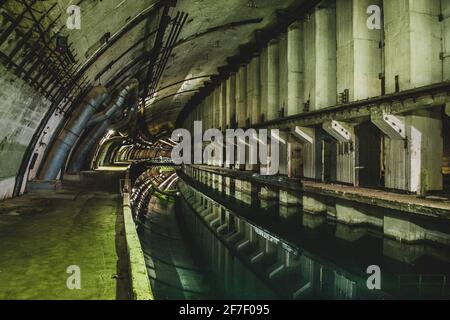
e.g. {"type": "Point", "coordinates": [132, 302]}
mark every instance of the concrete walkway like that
{"type": "Point", "coordinates": [41, 235]}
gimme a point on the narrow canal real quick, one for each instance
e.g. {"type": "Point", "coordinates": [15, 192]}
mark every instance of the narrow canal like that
{"type": "Point", "coordinates": [195, 249]}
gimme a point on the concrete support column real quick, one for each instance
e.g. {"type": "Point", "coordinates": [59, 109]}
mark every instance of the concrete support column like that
{"type": "Point", "coordinates": [320, 58]}
{"type": "Point", "coordinates": [241, 94]}
{"type": "Point", "coordinates": [283, 75]}
{"type": "Point", "coordinates": [217, 110]}
{"type": "Point", "coordinates": [446, 39]}
{"type": "Point", "coordinates": [209, 105]}
{"type": "Point", "coordinates": [413, 150]}
{"type": "Point", "coordinates": [222, 105]}
{"type": "Point", "coordinates": [231, 100]}
{"type": "Point", "coordinates": [263, 74]}
{"type": "Point", "coordinates": [408, 47]}
{"type": "Point", "coordinates": [256, 96]}
{"type": "Point", "coordinates": [308, 137]}
{"type": "Point", "coordinates": [273, 79]}
{"type": "Point", "coordinates": [358, 51]}
{"type": "Point", "coordinates": [295, 70]}
{"type": "Point", "coordinates": [294, 152]}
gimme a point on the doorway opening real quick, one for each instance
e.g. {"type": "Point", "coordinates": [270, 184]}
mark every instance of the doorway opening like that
{"type": "Point", "coordinates": [369, 171]}
{"type": "Point", "coordinates": [329, 160]}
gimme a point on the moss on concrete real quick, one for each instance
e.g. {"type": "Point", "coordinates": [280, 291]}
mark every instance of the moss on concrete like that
{"type": "Point", "coordinates": [41, 237]}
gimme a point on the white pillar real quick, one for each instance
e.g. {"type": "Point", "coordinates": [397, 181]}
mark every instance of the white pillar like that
{"type": "Point", "coordinates": [256, 96]}
{"type": "Point", "coordinates": [413, 43]}
{"type": "Point", "coordinates": [295, 70]}
{"type": "Point", "coordinates": [358, 51]}
{"type": "Point", "coordinates": [241, 93]}
{"type": "Point", "coordinates": [231, 100]}
{"type": "Point", "coordinates": [273, 79]}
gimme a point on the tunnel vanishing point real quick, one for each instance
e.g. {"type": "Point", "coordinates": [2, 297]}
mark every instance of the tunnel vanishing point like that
{"type": "Point", "coordinates": [94, 205]}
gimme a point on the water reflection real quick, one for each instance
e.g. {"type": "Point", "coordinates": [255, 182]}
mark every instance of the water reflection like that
{"type": "Point", "coordinates": [321, 260]}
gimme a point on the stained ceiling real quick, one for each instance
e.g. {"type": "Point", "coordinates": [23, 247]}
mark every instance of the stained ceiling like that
{"type": "Point", "coordinates": [117, 39]}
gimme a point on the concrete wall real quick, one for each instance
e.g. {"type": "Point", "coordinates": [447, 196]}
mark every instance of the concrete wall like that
{"type": "Point", "coordinates": [358, 51]}
{"type": "Point", "coordinates": [446, 39]}
{"type": "Point", "coordinates": [415, 163]}
{"type": "Point", "coordinates": [21, 111]}
{"type": "Point", "coordinates": [413, 40]}
{"type": "Point", "coordinates": [320, 58]}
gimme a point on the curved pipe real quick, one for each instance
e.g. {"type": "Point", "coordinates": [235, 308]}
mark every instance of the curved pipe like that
{"type": "Point", "coordinates": [132, 88]}
{"type": "Point", "coordinates": [71, 132]}
{"type": "Point", "coordinates": [116, 105]}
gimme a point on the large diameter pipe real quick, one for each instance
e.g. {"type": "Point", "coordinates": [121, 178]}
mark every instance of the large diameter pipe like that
{"type": "Point", "coordinates": [71, 132]}
{"type": "Point", "coordinates": [131, 89]}
{"type": "Point", "coordinates": [117, 103]}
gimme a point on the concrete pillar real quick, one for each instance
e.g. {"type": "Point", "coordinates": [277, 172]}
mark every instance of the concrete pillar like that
{"type": "Point", "coordinates": [358, 51]}
{"type": "Point", "coordinates": [264, 88]}
{"type": "Point", "coordinates": [426, 151]}
{"type": "Point", "coordinates": [241, 94]}
{"type": "Point", "coordinates": [413, 40]}
{"type": "Point", "coordinates": [231, 100]}
{"type": "Point", "coordinates": [209, 112]}
{"type": "Point", "coordinates": [217, 110]}
{"type": "Point", "coordinates": [222, 105]}
{"type": "Point", "coordinates": [294, 161]}
{"type": "Point", "coordinates": [283, 153]}
{"type": "Point", "coordinates": [256, 96]}
{"type": "Point", "coordinates": [283, 75]}
{"type": "Point", "coordinates": [308, 137]}
{"type": "Point", "coordinates": [249, 95]}
{"type": "Point", "coordinates": [446, 39]}
{"type": "Point", "coordinates": [344, 133]}
{"type": "Point", "coordinates": [413, 151]}
{"type": "Point", "coordinates": [320, 58]}
{"type": "Point", "coordinates": [295, 71]}
{"type": "Point", "coordinates": [273, 79]}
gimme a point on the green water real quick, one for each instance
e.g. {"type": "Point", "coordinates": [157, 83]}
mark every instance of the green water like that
{"type": "Point", "coordinates": [328, 262]}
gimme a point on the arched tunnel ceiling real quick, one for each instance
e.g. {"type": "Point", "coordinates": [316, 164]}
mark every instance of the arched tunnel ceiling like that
{"type": "Point", "coordinates": [116, 36]}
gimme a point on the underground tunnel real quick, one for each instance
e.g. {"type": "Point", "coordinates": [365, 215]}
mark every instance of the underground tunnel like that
{"type": "Point", "coordinates": [225, 150]}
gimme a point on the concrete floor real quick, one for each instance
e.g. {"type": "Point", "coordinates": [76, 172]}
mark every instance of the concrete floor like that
{"type": "Point", "coordinates": [41, 235]}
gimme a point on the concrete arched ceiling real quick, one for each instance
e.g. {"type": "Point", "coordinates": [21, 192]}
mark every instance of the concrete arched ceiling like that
{"type": "Point", "coordinates": [116, 37]}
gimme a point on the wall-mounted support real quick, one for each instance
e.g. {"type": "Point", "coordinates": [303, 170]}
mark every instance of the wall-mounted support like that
{"type": "Point", "coordinates": [338, 130]}
{"type": "Point", "coordinates": [392, 126]}
{"type": "Point", "coordinates": [304, 134]}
